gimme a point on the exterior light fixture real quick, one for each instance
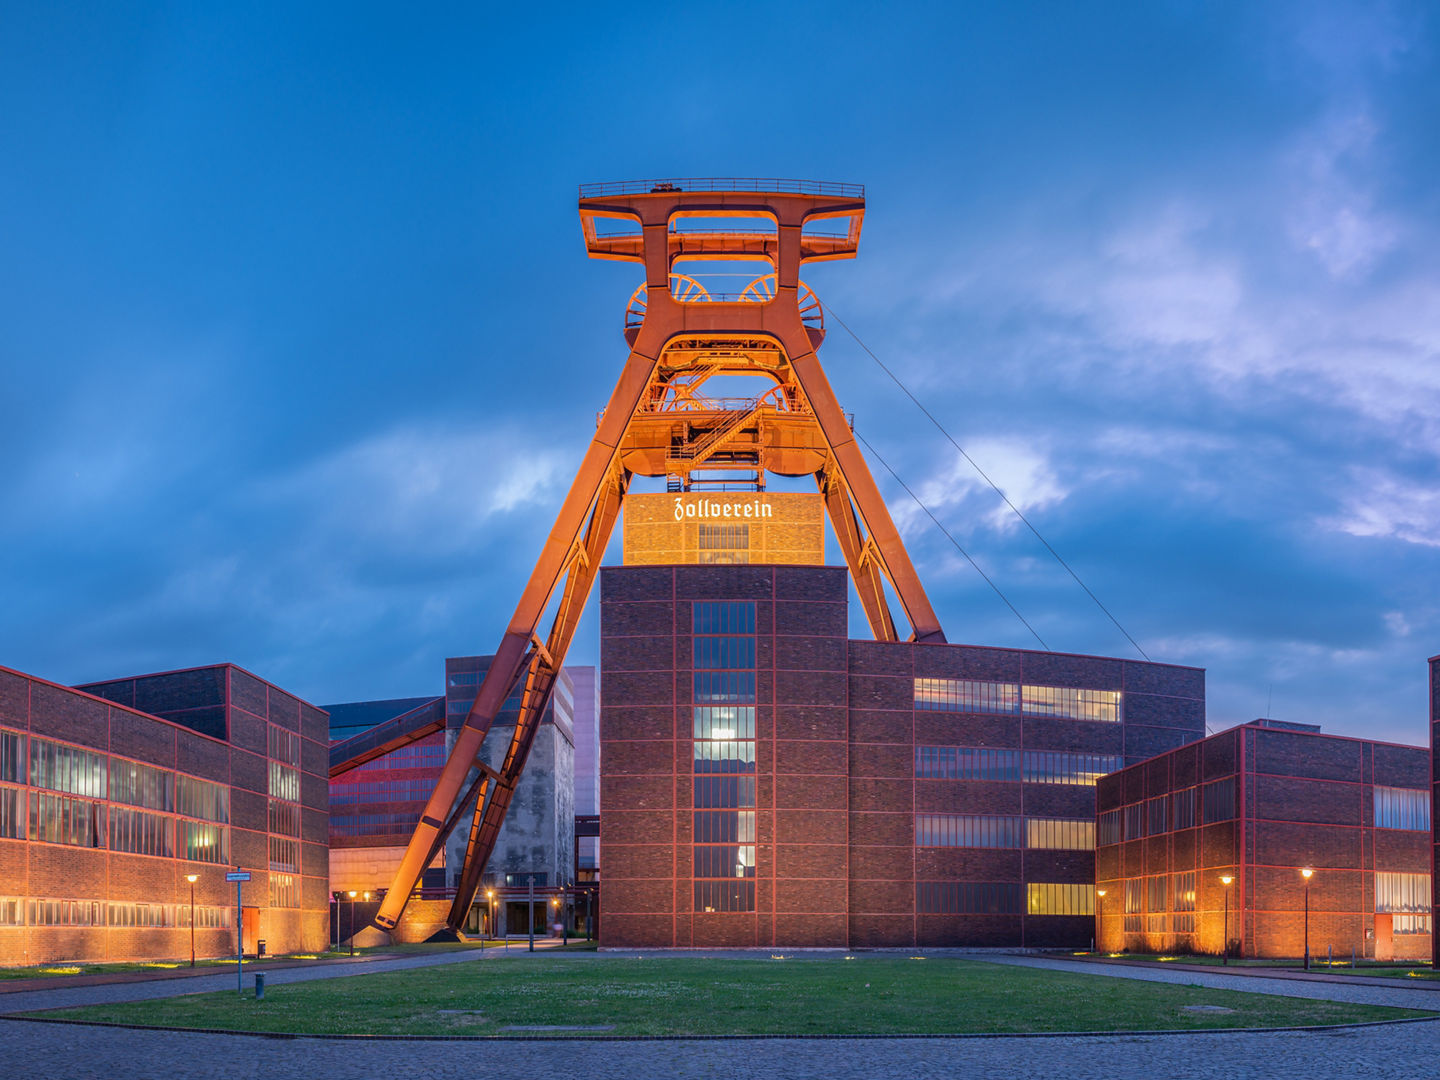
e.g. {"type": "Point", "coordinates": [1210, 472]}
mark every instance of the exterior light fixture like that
{"type": "Point", "coordinates": [1307, 873]}
{"type": "Point", "coordinates": [1226, 879]}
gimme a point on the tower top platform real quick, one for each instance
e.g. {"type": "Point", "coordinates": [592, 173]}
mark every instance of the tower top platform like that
{"type": "Point", "coordinates": [681, 214]}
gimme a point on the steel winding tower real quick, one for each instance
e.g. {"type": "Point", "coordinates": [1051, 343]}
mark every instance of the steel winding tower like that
{"type": "Point", "coordinates": [658, 422]}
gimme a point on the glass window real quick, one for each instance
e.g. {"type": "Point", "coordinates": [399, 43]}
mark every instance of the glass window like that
{"type": "Point", "coordinates": [141, 785]}
{"type": "Point", "coordinates": [966, 763]}
{"type": "Point", "coordinates": [723, 617]}
{"type": "Point", "coordinates": [1183, 807]}
{"type": "Point", "coordinates": [1108, 831]}
{"type": "Point", "coordinates": [1402, 808]}
{"type": "Point", "coordinates": [967, 898]}
{"type": "Point", "coordinates": [1395, 892]}
{"type": "Point", "coordinates": [1218, 799]}
{"type": "Point", "coordinates": [1157, 815]}
{"type": "Point", "coordinates": [12, 757]}
{"type": "Point", "coordinates": [12, 911]}
{"type": "Point", "coordinates": [730, 895]}
{"type": "Point", "coordinates": [146, 915]}
{"type": "Point", "coordinates": [284, 891]}
{"type": "Point", "coordinates": [1047, 767]}
{"type": "Point", "coordinates": [1134, 821]}
{"type": "Point", "coordinates": [962, 695]}
{"type": "Point", "coordinates": [716, 537]}
{"type": "Point", "coordinates": [66, 913]}
{"type": "Point", "coordinates": [12, 813]}
{"type": "Point", "coordinates": [724, 722]}
{"type": "Point", "coordinates": [284, 854]}
{"type": "Point", "coordinates": [713, 686]}
{"type": "Point", "coordinates": [968, 830]}
{"type": "Point", "coordinates": [56, 819]}
{"type": "Point", "coordinates": [1070, 704]}
{"type": "Point", "coordinates": [284, 782]}
{"type": "Point", "coordinates": [1059, 833]}
{"type": "Point", "coordinates": [725, 827]}
{"type": "Point", "coordinates": [199, 841]}
{"type": "Point", "coordinates": [1046, 898]}
{"type": "Point", "coordinates": [284, 817]}
{"type": "Point", "coordinates": [284, 745]}
{"type": "Point", "coordinates": [1134, 905]}
{"type": "Point", "coordinates": [66, 768]}
{"type": "Point", "coordinates": [141, 833]}
{"type": "Point", "coordinates": [201, 799]}
{"type": "Point", "coordinates": [724, 652]}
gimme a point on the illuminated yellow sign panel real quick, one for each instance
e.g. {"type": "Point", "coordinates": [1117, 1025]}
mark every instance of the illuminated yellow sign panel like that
{"type": "Point", "coordinates": [724, 527]}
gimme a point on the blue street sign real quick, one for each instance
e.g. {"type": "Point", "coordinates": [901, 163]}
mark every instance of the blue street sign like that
{"type": "Point", "coordinates": [238, 875]}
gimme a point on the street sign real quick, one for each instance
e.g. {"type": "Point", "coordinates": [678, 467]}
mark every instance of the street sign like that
{"type": "Point", "coordinates": [238, 875]}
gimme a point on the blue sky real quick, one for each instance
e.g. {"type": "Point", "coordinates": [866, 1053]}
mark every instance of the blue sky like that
{"type": "Point", "coordinates": [301, 347]}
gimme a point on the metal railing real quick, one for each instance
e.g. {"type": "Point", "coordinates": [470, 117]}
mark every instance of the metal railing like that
{"type": "Point", "coordinates": [635, 233]}
{"type": "Point", "coordinates": [766, 185]}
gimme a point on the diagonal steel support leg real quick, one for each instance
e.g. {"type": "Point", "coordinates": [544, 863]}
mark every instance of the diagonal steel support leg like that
{"type": "Point", "coordinates": [864, 570]}
{"type": "Point", "coordinates": [543, 670]}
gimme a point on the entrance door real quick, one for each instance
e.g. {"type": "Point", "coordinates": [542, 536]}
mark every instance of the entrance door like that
{"type": "Point", "coordinates": [1384, 941]}
{"type": "Point", "coordinates": [250, 923]}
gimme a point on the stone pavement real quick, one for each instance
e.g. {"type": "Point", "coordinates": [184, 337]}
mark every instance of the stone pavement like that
{"type": "Point", "coordinates": [1400, 1051]}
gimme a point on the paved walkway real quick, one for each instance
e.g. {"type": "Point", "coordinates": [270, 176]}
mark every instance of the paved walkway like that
{"type": "Point", "coordinates": [1403, 995]}
{"type": "Point", "coordinates": [1404, 1052]}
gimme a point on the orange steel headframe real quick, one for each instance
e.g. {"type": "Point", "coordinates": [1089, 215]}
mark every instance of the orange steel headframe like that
{"type": "Point", "coordinates": [659, 422]}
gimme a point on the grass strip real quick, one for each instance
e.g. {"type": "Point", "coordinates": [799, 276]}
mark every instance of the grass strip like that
{"type": "Point", "coordinates": [660, 996]}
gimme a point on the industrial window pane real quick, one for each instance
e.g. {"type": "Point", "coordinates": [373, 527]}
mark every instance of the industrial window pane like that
{"type": "Point", "coordinates": [966, 763]}
{"type": "Point", "coordinates": [723, 617]}
{"type": "Point", "coordinates": [1218, 800]}
{"type": "Point", "coordinates": [284, 782]}
{"type": "Point", "coordinates": [12, 757]}
{"type": "Point", "coordinates": [56, 819]}
{"type": "Point", "coordinates": [1060, 834]}
{"type": "Point", "coordinates": [733, 686]}
{"type": "Point", "coordinates": [1071, 704]}
{"type": "Point", "coordinates": [963, 695]}
{"type": "Point", "coordinates": [1402, 808]}
{"type": "Point", "coordinates": [732, 895]}
{"type": "Point", "coordinates": [724, 652]}
{"type": "Point", "coordinates": [284, 817]}
{"type": "Point", "coordinates": [724, 722]}
{"type": "Point", "coordinates": [1157, 815]}
{"type": "Point", "coordinates": [968, 830]}
{"type": "Point", "coordinates": [1134, 815]}
{"type": "Point", "coordinates": [285, 854]}
{"type": "Point", "coordinates": [721, 537]}
{"type": "Point", "coordinates": [284, 891]}
{"type": "Point", "coordinates": [141, 785]}
{"type": "Point", "coordinates": [1185, 891]}
{"type": "Point", "coordinates": [284, 745]}
{"type": "Point", "coordinates": [720, 756]}
{"type": "Point", "coordinates": [1108, 831]}
{"type": "Point", "coordinates": [1396, 892]}
{"type": "Point", "coordinates": [1053, 898]}
{"type": "Point", "coordinates": [725, 827]}
{"type": "Point", "coordinates": [201, 799]}
{"type": "Point", "coordinates": [202, 842]}
{"type": "Point", "coordinates": [12, 816]}
{"type": "Point", "coordinates": [1183, 808]}
{"type": "Point", "coordinates": [67, 768]}
{"type": "Point", "coordinates": [141, 833]}
{"type": "Point", "coordinates": [724, 792]}
{"type": "Point", "coordinates": [967, 898]}
{"type": "Point", "coordinates": [1047, 767]}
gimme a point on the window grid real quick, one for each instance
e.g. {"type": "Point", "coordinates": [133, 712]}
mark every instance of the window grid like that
{"type": "Point", "coordinates": [59, 819]}
{"type": "Point", "coordinates": [1218, 800]}
{"type": "Point", "coordinates": [141, 785]}
{"type": "Point", "coordinates": [1047, 767]}
{"type": "Point", "coordinates": [967, 898]}
{"type": "Point", "coordinates": [1108, 830]}
{"type": "Point", "coordinates": [1402, 808]}
{"type": "Point", "coordinates": [966, 763]}
{"type": "Point", "coordinates": [66, 768]}
{"type": "Point", "coordinates": [1053, 898]}
{"type": "Point", "coordinates": [723, 850]}
{"type": "Point", "coordinates": [141, 833]}
{"type": "Point", "coordinates": [1003, 698]}
{"type": "Point", "coordinates": [1397, 892]}
{"type": "Point", "coordinates": [12, 757]}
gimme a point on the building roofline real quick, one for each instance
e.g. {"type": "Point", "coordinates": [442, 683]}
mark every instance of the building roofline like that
{"type": "Point", "coordinates": [114, 705]}
{"type": "Point", "coordinates": [203, 667]}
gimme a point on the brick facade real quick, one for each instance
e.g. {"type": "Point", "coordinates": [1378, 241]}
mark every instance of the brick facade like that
{"type": "Point", "coordinates": [1268, 802]}
{"type": "Point", "coordinates": [105, 888]}
{"type": "Point", "coordinates": [836, 792]}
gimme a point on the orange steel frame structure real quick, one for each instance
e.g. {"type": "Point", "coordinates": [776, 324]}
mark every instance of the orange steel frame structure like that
{"type": "Point", "coordinates": [659, 423]}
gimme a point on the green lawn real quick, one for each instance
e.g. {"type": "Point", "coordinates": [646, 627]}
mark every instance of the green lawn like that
{"type": "Point", "coordinates": [727, 996]}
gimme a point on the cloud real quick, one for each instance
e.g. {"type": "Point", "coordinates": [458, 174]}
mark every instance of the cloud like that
{"type": "Point", "coordinates": [1333, 214]}
{"type": "Point", "coordinates": [1380, 504]}
{"type": "Point", "coordinates": [961, 498]}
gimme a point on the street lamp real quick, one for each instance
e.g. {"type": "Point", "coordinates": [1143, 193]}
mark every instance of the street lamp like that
{"type": "Point", "coordinates": [192, 878]}
{"type": "Point", "coordinates": [352, 922]}
{"type": "Point", "coordinates": [555, 903]}
{"type": "Point", "coordinates": [1306, 874]}
{"type": "Point", "coordinates": [1099, 895]}
{"type": "Point", "coordinates": [490, 904]}
{"type": "Point", "coordinates": [1226, 879]}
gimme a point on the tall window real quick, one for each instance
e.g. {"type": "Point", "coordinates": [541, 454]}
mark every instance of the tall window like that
{"type": "Point", "coordinates": [1134, 905]}
{"type": "Point", "coordinates": [1402, 808]}
{"type": "Point", "coordinates": [12, 757]}
{"type": "Point", "coordinates": [141, 833]}
{"type": "Point", "coordinates": [141, 785]}
{"type": "Point", "coordinates": [1218, 800]}
{"type": "Point", "coordinates": [66, 768]}
{"type": "Point", "coordinates": [725, 543]}
{"type": "Point", "coordinates": [1183, 921]}
{"type": "Point", "coordinates": [1182, 805]}
{"type": "Point", "coordinates": [723, 731]}
{"type": "Point", "coordinates": [1108, 830]}
{"type": "Point", "coordinates": [201, 799]}
{"type": "Point", "coordinates": [59, 819]}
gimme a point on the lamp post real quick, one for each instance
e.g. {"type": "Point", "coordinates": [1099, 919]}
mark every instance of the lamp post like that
{"type": "Point", "coordinates": [555, 903]}
{"type": "Point", "coordinates": [352, 922]}
{"type": "Point", "coordinates": [1226, 879]}
{"type": "Point", "coordinates": [490, 904]}
{"type": "Point", "coordinates": [1306, 874]}
{"type": "Point", "coordinates": [1099, 895]}
{"type": "Point", "coordinates": [192, 878]}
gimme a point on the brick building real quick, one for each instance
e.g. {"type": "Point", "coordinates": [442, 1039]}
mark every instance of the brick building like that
{"type": "Point", "coordinates": [767, 781]}
{"type": "Point", "coordinates": [1258, 804]}
{"type": "Point", "coordinates": [112, 794]}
